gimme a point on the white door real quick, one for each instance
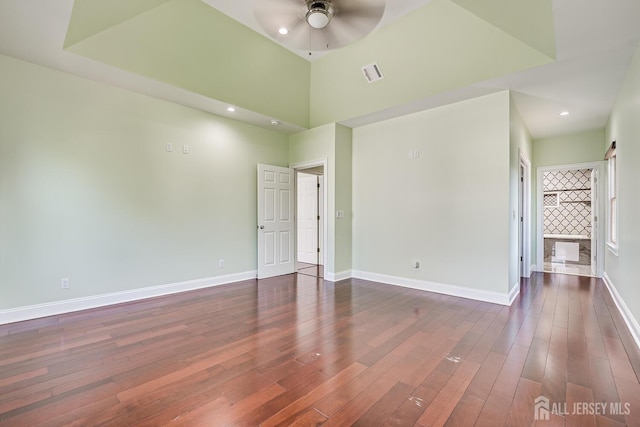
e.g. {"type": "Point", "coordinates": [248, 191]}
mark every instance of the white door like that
{"type": "Point", "coordinates": [275, 221]}
{"type": "Point", "coordinates": [308, 218]}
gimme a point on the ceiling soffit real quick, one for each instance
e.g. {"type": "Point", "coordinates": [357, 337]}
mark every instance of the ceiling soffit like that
{"type": "Point", "coordinates": [445, 45]}
{"type": "Point", "coordinates": [92, 16]}
{"type": "Point", "coordinates": [190, 45]}
{"type": "Point", "coordinates": [529, 21]}
{"type": "Point", "coordinates": [438, 48]}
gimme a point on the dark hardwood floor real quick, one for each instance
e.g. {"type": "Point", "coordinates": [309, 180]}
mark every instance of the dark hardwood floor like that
{"type": "Point", "coordinates": [295, 350]}
{"type": "Point", "coordinates": [314, 270]}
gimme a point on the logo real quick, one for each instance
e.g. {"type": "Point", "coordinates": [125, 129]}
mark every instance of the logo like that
{"type": "Point", "coordinates": [541, 408]}
{"type": "Point", "coordinates": [544, 408]}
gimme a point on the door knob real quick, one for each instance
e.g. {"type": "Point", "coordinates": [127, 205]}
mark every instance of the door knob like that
{"type": "Point", "coordinates": [262, 227]}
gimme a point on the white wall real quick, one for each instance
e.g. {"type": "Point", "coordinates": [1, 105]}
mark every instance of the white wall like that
{"type": "Point", "coordinates": [447, 209]}
{"type": "Point", "coordinates": [623, 270]}
{"type": "Point", "coordinates": [87, 190]}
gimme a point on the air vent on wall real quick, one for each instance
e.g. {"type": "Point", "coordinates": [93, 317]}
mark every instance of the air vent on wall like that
{"type": "Point", "coordinates": [372, 72]}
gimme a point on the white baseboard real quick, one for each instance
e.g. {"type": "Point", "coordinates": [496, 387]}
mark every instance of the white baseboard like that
{"type": "Point", "coordinates": [66, 306]}
{"type": "Point", "coordinates": [629, 319]}
{"type": "Point", "coordinates": [336, 277]}
{"type": "Point", "coordinates": [457, 291]}
{"type": "Point", "coordinates": [514, 292]}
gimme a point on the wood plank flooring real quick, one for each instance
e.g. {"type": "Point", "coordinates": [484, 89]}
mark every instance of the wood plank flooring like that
{"type": "Point", "coordinates": [298, 351]}
{"type": "Point", "coordinates": [314, 270]}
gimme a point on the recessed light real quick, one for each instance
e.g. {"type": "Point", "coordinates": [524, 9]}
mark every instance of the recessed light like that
{"type": "Point", "coordinates": [564, 113]}
{"type": "Point", "coordinates": [275, 122]}
{"type": "Point", "coordinates": [283, 31]}
{"type": "Point", "coordinates": [231, 109]}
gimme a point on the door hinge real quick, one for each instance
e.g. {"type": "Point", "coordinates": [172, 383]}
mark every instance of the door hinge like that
{"type": "Point", "coordinates": [318, 185]}
{"type": "Point", "coordinates": [318, 250]}
{"type": "Point", "coordinates": [521, 219]}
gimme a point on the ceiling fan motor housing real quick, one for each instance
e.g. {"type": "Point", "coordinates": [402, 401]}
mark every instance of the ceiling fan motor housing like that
{"type": "Point", "coordinates": [319, 13]}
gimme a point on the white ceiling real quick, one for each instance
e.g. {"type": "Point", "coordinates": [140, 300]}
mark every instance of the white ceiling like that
{"type": "Point", "coordinates": [595, 40]}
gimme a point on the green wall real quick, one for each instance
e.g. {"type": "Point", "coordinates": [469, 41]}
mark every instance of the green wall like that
{"type": "Point", "coordinates": [185, 43]}
{"type": "Point", "coordinates": [344, 229]}
{"type": "Point", "coordinates": [448, 208]}
{"type": "Point", "coordinates": [438, 47]}
{"type": "Point", "coordinates": [333, 143]}
{"type": "Point", "coordinates": [88, 191]}
{"type": "Point", "coordinates": [580, 147]}
{"type": "Point", "coordinates": [623, 127]}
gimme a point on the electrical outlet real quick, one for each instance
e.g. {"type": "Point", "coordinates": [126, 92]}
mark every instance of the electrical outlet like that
{"type": "Point", "coordinates": [221, 263]}
{"type": "Point", "coordinates": [185, 149]}
{"type": "Point", "coordinates": [416, 265]}
{"type": "Point", "coordinates": [169, 147]}
{"type": "Point", "coordinates": [64, 283]}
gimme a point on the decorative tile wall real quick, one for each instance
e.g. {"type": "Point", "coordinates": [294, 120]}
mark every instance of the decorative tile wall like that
{"type": "Point", "coordinates": [567, 202]}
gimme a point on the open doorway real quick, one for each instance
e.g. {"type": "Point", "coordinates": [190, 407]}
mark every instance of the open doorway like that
{"type": "Point", "coordinates": [310, 215]}
{"type": "Point", "coordinates": [569, 220]}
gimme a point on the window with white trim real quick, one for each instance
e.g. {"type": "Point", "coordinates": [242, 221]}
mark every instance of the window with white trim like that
{"type": "Point", "coordinates": [612, 225]}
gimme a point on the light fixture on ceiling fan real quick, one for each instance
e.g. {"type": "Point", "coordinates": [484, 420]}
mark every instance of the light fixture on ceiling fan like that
{"type": "Point", "coordinates": [318, 25]}
{"type": "Point", "coordinates": [319, 13]}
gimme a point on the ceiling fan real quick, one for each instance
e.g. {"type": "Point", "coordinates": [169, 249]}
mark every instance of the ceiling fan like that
{"type": "Point", "coordinates": [318, 25]}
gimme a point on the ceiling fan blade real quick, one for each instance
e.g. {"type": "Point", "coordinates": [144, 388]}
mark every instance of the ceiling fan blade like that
{"type": "Point", "coordinates": [352, 20]}
{"type": "Point", "coordinates": [366, 15]}
{"type": "Point", "coordinates": [357, 8]}
{"type": "Point", "coordinates": [299, 36]}
{"type": "Point", "coordinates": [272, 15]}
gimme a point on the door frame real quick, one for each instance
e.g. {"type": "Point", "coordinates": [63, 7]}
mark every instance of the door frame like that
{"type": "Point", "coordinates": [524, 226]}
{"type": "Point", "coordinates": [316, 217]}
{"type": "Point", "coordinates": [300, 167]}
{"type": "Point", "coordinates": [598, 203]}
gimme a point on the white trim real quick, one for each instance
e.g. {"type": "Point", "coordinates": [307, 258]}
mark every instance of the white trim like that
{"type": "Point", "coordinates": [532, 269]}
{"type": "Point", "coordinates": [631, 321]}
{"type": "Point", "coordinates": [342, 275]}
{"type": "Point", "coordinates": [526, 214]}
{"type": "Point", "coordinates": [514, 292]}
{"type": "Point", "coordinates": [456, 291]}
{"type": "Point", "coordinates": [299, 167]}
{"type": "Point", "coordinates": [77, 304]}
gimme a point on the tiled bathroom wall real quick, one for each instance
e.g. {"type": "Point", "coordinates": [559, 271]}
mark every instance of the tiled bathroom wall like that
{"type": "Point", "coordinates": [567, 218]}
{"type": "Point", "coordinates": [567, 202]}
